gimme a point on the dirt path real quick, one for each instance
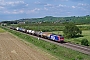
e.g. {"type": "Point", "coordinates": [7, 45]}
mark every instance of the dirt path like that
{"type": "Point", "coordinates": [11, 48]}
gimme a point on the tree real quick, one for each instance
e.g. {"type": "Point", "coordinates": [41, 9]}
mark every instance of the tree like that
{"type": "Point", "coordinates": [71, 30]}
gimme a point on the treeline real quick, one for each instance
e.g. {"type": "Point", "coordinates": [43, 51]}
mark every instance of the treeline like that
{"type": "Point", "coordinates": [9, 22]}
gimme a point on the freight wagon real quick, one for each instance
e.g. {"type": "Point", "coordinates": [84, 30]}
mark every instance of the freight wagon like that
{"type": "Point", "coordinates": [46, 35]}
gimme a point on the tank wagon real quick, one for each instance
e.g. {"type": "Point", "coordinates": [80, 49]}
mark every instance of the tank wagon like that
{"type": "Point", "coordinates": [29, 31]}
{"type": "Point", "coordinates": [37, 33]}
{"type": "Point", "coordinates": [32, 32]}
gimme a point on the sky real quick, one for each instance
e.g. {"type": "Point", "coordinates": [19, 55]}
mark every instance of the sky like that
{"type": "Point", "coordinates": [19, 9]}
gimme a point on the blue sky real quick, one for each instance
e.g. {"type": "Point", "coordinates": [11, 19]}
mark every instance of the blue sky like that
{"type": "Point", "coordinates": [17, 9]}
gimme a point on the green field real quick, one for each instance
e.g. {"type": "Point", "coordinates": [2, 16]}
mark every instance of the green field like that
{"type": "Point", "coordinates": [1, 30]}
{"type": "Point", "coordinates": [84, 27]}
{"type": "Point", "coordinates": [44, 28]}
{"type": "Point", "coordinates": [61, 53]}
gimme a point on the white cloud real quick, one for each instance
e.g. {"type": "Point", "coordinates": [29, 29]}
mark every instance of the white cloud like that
{"type": "Point", "coordinates": [83, 4]}
{"type": "Point", "coordinates": [49, 5]}
{"type": "Point", "coordinates": [14, 12]}
{"type": "Point", "coordinates": [15, 3]}
{"type": "Point", "coordinates": [12, 3]}
{"type": "Point", "coordinates": [73, 7]}
{"type": "Point", "coordinates": [10, 7]}
{"type": "Point", "coordinates": [21, 11]}
{"type": "Point", "coordinates": [60, 5]}
{"type": "Point", "coordinates": [35, 10]}
{"type": "Point", "coordinates": [45, 8]}
{"type": "Point", "coordinates": [37, 2]}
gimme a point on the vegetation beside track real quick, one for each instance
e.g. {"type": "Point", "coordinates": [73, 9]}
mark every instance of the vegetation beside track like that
{"type": "Point", "coordinates": [61, 53]}
{"type": "Point", "coordinates": [1, 30]}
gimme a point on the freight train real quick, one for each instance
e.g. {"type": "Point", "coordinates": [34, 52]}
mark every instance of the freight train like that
{"type": "Point", "coordinates": [46, 35]}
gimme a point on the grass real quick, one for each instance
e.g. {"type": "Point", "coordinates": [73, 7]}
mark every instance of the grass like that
{"type": "Point", "coordinates": [86, 35]}
{"type": "Point", "coordinates": [61, 53]}
{"type": "Point", "coordinates": [1, 30]}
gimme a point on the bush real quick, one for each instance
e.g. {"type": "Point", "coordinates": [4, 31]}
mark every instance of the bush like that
{"type": "Point", "coordinates": [84, 42]}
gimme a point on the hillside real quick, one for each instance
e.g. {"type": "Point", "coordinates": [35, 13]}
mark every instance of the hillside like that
{"type": "Point", "coordinates": [79, 19]}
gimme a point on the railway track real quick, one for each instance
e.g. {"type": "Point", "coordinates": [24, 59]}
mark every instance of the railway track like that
{"type": "Point", "coordinates": [82, 49]}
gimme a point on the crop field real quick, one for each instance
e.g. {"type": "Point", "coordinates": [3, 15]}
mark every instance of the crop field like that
{"type": "Point", "coordinates": [12, 48]}
{"type": "Point", "coordinates": [61, 53]}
